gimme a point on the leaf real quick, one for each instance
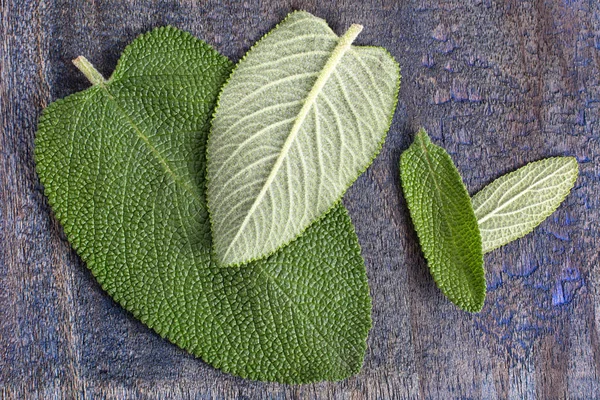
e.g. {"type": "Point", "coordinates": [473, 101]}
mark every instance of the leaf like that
{"type": "Point", "coordinates": [513, 205]}
{"type": "Point", "coordinates": [441, 211]}
{"type": "Point", "coordinates": [123, 166]}
{"type": "Point", "coordinates": [302, 115]}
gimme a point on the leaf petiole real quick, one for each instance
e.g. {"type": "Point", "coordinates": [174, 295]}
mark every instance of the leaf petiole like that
{"type": "Point", "coordinates": [89, 71]}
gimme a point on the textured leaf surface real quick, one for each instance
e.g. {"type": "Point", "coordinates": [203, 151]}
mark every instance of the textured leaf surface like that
{"type": "Point", "coordinates": [441, 211]}
{"type": "Point", "coordinates": [303, 114]}
{"type": "Point", "coordinates": [123, 167]}
{"type": "Point", "coordinates": [513, 205]}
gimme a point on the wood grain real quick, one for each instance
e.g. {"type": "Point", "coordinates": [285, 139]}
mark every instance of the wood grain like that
{"type": "Point", "coordinates": [497, 83]}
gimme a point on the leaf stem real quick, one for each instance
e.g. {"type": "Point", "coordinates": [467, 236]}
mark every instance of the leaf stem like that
{"type": "Point", "coordinates": [89, 71]}
{"type": "Point", "coordinates": [350, 35]}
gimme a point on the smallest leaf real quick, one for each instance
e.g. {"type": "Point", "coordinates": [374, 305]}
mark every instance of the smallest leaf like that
{"type": "Point", "coordinates": [441, 211]}
{"type": "Point", "coordinates": [514, 204]}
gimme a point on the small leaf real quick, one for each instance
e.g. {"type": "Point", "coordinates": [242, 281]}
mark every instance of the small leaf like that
{"type": "Point", "coordinates": [302, 115]}
{"type": "Point", "coordinates": [513, 205]}
{"type": "Point", "coordinates": [123, 165]}
{"type": "Point", "coordinates": [441, 211]}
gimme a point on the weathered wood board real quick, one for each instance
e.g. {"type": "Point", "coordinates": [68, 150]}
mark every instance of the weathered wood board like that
{"type": "Point", "coordinates": [497, 83]}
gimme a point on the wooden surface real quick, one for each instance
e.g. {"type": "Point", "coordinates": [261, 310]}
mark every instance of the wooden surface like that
{"type": "Point", "coordinates": [497, 83]}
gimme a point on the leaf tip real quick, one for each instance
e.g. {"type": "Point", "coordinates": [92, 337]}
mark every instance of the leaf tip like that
{"type": "Point", "coordinates": [422, 136]}
{"type": "Point", "coordinates": [473, 309]}
{"type": "Point", "coordinates": [574, 170]}
{"type": "Point", "coordinates": [574, 163]}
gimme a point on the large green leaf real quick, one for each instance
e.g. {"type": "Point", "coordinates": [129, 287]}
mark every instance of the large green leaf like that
{"type": "Point", "coordinates": [513, 205]}
{"type": "Point", "coordinates": [441, 211]}
{"type": "Point", "coordinates": [302, 115]}
{"type": "Point", "coordinates": [123, 166]}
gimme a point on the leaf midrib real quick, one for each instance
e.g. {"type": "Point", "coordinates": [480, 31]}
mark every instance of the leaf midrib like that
{"type": "Point", "coordinates": [163, 161]}
{"type": "Point", "coordinates": [344, 44]}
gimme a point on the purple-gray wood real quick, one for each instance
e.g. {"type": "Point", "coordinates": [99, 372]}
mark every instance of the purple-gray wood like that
{"type": "Point", "coordinates": [497, 83]}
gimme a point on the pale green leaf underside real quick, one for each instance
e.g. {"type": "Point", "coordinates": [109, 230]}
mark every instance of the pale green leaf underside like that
{"type": "Point", "coordinates": [441, 211]}
{"type": "Point", "coordinates": [303, 114]}
{"type": "Point", "coordinates": [514, 204]}
{"type": "Point", "coordinates": [123, 166]}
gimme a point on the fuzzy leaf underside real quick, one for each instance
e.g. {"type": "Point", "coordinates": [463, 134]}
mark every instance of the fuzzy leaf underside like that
{"type": "Point", "coordinates": [302, 115]}
{"type": "Point", "coordinates": [441, 211]}
{"type": "Point", "coordinates": [123, 166]}
{"type": "Point", "coordinates": [514, 204]}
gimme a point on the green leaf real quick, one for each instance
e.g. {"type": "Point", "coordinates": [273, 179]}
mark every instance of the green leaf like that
{"type": "Point", "coordinates": [514, 204]}
{"type": "Point", "coordinates": [302, 115]}
{"type": "Point", "coordinates": [441, 211]}
{"type": "Point", "coordinates": [123, 166]}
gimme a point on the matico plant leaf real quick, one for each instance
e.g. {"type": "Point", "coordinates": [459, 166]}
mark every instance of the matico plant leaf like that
{"type": "Point", "coordinates": [123, 165]}
{"type": "Point", "coordinates": [302, 115]}
{"type": "Point", "coordinates": [441, 211]}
